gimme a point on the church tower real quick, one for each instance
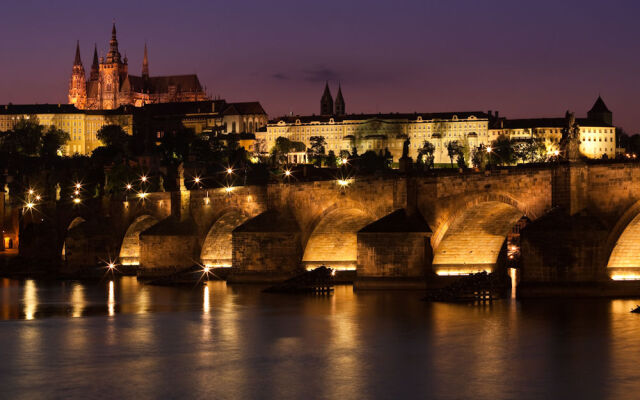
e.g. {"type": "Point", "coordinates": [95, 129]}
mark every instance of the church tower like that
{"type": "Point", "coordinates": [95, 67]}
{"type": "Point", "coordinates": [112, 72]}
{"type": "Point", "coordinates": [340, 107]}
{"type": "Point", "coordinates": [77, 83]}
{"type": "Point", "coordinates": [599, 112]}
{"type": "Point", "coordinates": [145, 64]}
{"type": "Point", "coordinates": [326, 103]}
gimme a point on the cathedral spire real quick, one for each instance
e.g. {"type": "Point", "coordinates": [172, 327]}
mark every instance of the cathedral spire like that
{"type": "Point", "coordinates": [114, 55]}
{"type": "Point", "coordinates": [340, 107]}
{"type": "Point", "coordinates": [78, 60]}
{"type": "Point", "coordinates": [145, 63]}
{"type": "Point", "coordinates": [326, 102]}
{"type": "Point", "coordinates": [94, 66]}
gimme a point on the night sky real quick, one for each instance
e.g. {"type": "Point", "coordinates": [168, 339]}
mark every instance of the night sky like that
{"type": "Point", "coordinates": [525, 59]}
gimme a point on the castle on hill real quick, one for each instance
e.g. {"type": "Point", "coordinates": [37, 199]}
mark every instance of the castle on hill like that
{"type": "Point", "coordinates": [110, 85]}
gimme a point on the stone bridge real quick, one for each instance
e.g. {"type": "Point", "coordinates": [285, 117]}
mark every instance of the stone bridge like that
{"type": "Point", "coordinates": [411, 230]}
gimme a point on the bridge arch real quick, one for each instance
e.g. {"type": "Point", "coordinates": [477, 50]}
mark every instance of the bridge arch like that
{"type": "Point", "coordinates": [217, 245]}
{"type": "Point", "coordinates": [74, 223]}
{"type": "Point", "coordinates": [472, 237]}
{"type": "Point", "coordinates": [333, 238]}
{"type": "Point", "coordinates": [623, 246]}
{"type": "Point", "coordinates": [130, 248]}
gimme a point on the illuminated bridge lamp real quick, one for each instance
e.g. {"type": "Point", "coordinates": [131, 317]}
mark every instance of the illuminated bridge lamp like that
{"type": "Point", "coordinates": [229, 170]}
{"type": "Point", "coordinates": [287, 173]}
{"type": "Point", "coordinates": [38, 197]}
{"type": "Point", "coordinates": [142, 195]}
{"type": "Point", "coordinates": [78, 186]}
{"type": "Point", "coordinates": [196, 180]}
{"type": "Point", "coordinates": [77, 200]}
{"type": "Point", "coordinates": [228, 189]}
{"type": "Point", "coordinates": [77, 192]}
{"type": "Point", "coordinates": [345, 161]}
{"type": "Point", "coordinates": [556, 153]}
{"type": "Point", "coordinates": [29, 205]}
{"type": "Point", "coordinates": [343, 182]}
{"type": "Point", "coordinates": [129, 187]}
{"type": "Point", "coordinates": [489, 149]}
{"type": "Point", "coordinates": [143, 178]}
{"type": "Point", "coordinates": [31, 192]}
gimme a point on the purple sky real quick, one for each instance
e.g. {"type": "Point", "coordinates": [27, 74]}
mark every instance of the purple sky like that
{"type": "Point", "coordinates": [525, 59]}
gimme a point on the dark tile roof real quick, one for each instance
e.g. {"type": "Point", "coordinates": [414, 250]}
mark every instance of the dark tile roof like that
{"type": "Point", "coordinates": [401, 117]}
{"type": "Point", "coordinates": [184, 83]}
{"type": "Point", "coordinates": [546, 123]}
{"type": "Point", "coordinates": [39, 109]}
{"type": "Point", "coordinates": [245, 108]}
{"type": "Point", "coordinates": [599, 106]}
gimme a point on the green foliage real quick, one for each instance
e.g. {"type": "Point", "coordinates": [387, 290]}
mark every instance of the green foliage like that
{"type": "Point", "coordinates": [502, 151]}
{"type": "Point", "coordinates": [426, 154]}
{"type": "Point", "coordinates": [113, 136]}
{"type": "Point", "coordinates": [479, 157]}
{"type": "Point", "coordinates": [317, 150]}
{"type": "Point", "coordinates": [284, 146]}
{"type": "Point", "coordinates": [52, 142]}
{"type": "Point", "coordinates": [530, 150]}
{"type": "Point", "coordinates": [331, 160]}
{"type": "Point", "coordinates": [453, 150]}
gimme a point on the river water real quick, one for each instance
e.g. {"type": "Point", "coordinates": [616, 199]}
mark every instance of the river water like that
{"type": "Point", "coordinates": [120, 339]}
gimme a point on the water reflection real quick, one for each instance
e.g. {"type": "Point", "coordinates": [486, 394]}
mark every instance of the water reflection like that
{"type": "Point", "coordinates": [111, 301]}
{"type": "Point", "coordinates": [220, 341]}
{"type": "Point", "coordinates": [30, 299]}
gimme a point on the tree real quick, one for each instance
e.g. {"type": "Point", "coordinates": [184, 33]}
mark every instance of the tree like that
{"type": "Point", "coordinates": [25, 138]}
{"type": "Point", "coordinates": [425, 154]}
{"type": "Point", "coordinates": [502, 151]}
{"type": "Point", "coordinates": [479, 157]}
{"type": "Point", "coordinates": [113, 136]}
{"type": "Point", "coordinates": [52, 142]}
{"type": "Point", "coordinates": [284, 146]}
{"type": "Point", "coordinates": [331, 160]}
{"type": "Point", "coordinates": [453, 149]}
{"type": "Point", "coordinates": [318, 144]}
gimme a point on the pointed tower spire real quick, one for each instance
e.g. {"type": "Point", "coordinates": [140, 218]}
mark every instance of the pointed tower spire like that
{"type": "Point", "coordinates": [78, 60]}
{"type": "Point", "coordinates": [340, 106]}
{"type": "Point", "coordinates": [114, 55]}
{"type": "Point", "coordinates": [94, 66]}
{"type": "Point", "coordinates": [326, 102]}
{"type": "Point", "coordinates": [145, 63]}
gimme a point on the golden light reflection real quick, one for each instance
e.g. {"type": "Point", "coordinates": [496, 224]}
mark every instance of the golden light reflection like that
{"type": "Point", "coordinates": [30, 299]}
{"type": "Point", "coordinates": [111, 301]}
{"type": "Point", "coordinates": [513, 274]}
{"type": "Point", "coordinates": [77, 300]}
{"type": "Point", "coordinates": [461, 272]}
{"type": "Point", "coordinates": [625, 277]}
{"type": "Point", "coordinates": [205, 301]}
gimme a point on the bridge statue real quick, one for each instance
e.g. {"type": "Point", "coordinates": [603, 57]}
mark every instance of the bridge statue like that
{"type": "Point", "coordinates": [570, 142]}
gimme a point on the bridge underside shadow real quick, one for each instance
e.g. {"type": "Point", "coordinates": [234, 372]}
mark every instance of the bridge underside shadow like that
{"type": "Point", "coordinates": [217, 247]}
{"type": "Point", "coordinates": [333, 242]}
{"type": "Point", "coordinates": [130, 249]}
{"type": "Point", "coordinates": [475, 239]}
{"type": "Point", "coordinates": [624, 263]}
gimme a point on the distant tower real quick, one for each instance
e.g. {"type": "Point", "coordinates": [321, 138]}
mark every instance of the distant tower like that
{"type": "Point", "coordinates": [340, 108]}
{"type": "Point", "coordinates": [145, 64]}
{"type": "Point", "coordinates": [326, 103]}
{"type": "Point", "coordinates": [95, 66]}
{"type": "Point", "coordinates": [599, 112]}
{"type": "Point", "coordinates": [77, 83]}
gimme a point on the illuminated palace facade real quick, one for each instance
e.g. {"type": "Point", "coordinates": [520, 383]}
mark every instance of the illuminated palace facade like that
{"type": "Point", "coordinates": [381, 132]}
{"type": "Point", "coordinates": [83, 125]}
{"type": "Point", "coordinates": [110, 85]}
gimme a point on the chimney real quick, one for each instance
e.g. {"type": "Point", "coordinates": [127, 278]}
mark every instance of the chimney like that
{"type": "Point", "coordinates": [490, 115]}
{"type": "Point", "coordinates": [497, 115]}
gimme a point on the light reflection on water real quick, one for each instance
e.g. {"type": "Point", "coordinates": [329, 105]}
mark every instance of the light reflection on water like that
{"type": "Point", "coordinates": [219, 341]}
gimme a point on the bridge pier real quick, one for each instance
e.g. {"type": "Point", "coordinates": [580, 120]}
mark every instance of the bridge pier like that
{"type": "Point", "coordinates": [266, 248]}
{"type": "Point", "coordinates": [394, 252]}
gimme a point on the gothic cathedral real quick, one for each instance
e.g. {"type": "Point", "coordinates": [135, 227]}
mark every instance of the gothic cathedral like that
{"type": "Point", "coordinates": [110, 85]}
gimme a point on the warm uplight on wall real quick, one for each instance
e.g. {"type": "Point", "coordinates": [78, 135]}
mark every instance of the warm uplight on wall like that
{"type": "Point", "coordinates": [143, 195]}
{"type": "Point", "coordinates": [343, 182]}
{"type": "Point", "coordinates": [228, 189]}
{"type": "Point", "coordinates": [625, 277]}
{"type": "Point", "coordinates": [77, 200]}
